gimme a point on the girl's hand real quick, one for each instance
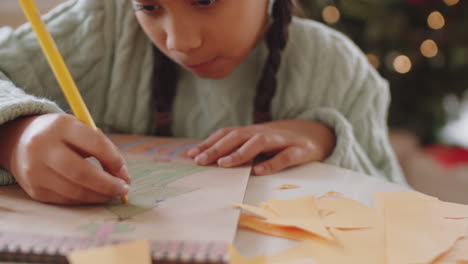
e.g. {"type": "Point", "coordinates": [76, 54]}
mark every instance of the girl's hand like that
{"type": "Point", "coordinates": [47, 158]}
{"type": "Point", "coordinates": [294, 142]}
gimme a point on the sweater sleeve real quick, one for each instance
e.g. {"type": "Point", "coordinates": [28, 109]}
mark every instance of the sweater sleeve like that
{"type": "Point", "coordinates": [27, 84]}
{"type": "Point", "coordinates": [348, 95]}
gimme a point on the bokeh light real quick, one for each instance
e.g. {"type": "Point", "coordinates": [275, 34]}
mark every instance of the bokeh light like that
{"type": "Point", "coordinates": [451, 2]}
{"type": "Point", "coordinates": [429, 48]}
{"type": "Point", "coordinates": [402, 64]}
{"type": "Point", "coordinates": [331, 14]}
{"type": "Point", "coordinates": [373, 60]}
{"type": "Point", "coordinates": [436, 20]}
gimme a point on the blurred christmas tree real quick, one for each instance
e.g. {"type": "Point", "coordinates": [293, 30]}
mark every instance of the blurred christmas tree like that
{"type": "Point", "coordinates": [420, 46]}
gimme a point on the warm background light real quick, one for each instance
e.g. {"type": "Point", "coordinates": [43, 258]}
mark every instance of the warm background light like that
{"type": "Point", "coordinates": [373, 60]}
{"type": "Point", "coordinates": [402, 64]}
{"type": "Point", "coordinates": [451, 2]}
{"type": "Point", "coordinates": [331, 14]}
{"type": "Point", "coordinates": [436, 20]}
{"type": "Point", "coordinates": [429, 48]}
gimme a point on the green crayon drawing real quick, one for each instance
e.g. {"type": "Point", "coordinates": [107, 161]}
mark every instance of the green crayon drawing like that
{"type": "Point", "coordinates": [104, 231]}
{"type": "Point", "coordinates": [150, 182]}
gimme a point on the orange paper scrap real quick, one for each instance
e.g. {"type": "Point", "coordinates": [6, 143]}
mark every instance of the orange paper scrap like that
{"type": "Point", "coordinates": [416, 232]}
{"type": "Point", "coordinates": [347, 213]}
{"type": "Point", "coordinates": [288, 187]}
{"type": "Point", "coordinates": [457, 254]}
{"type": "Point", "coordinates": [261, 226]}
{"type": "Point", "coordinates": [406, 227]}
{"type": "Point", "coordinates": [454, 211]}
{"type": "Point", "coordinates": [316, 252]}
{"type": "Point", "coordinates": [136, 252]}
{"type": "Point", "coordinates": [301, 213]}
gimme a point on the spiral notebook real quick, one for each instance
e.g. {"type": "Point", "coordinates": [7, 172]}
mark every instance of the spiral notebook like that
{"type": "Point", "coordinates": [186, 211]}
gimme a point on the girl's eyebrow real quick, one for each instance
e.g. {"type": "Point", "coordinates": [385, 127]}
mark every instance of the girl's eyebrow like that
{"type": "Point", "coordinates": [139, 5]}
{"type": "Point", "coordinates": [144, 2]}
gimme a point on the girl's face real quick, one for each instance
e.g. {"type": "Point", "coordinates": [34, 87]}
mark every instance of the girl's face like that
{"type": "Point", "coordinates": [208, 37]}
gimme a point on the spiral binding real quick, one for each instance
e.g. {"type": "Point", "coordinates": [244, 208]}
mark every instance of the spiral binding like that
{"type": "Point", "coordinates": [20, 247]}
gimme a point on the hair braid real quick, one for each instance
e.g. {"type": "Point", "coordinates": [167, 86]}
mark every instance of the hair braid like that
{"type": "Point", "coordinates": [165, 77]}
{"type": "Point", "coordinates": [276, 40]}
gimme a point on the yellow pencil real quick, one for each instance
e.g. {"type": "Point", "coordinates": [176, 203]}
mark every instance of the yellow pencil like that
{"type": "Point", "coordinates": [58, 66]}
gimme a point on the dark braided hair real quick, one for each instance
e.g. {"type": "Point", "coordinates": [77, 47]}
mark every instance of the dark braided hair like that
{"type": "Point", "coordinates": [165, 77]}
{"type": "Point", "coordinates": [166, 73]}
{"type": "Point", "coordinates": [276, 40]}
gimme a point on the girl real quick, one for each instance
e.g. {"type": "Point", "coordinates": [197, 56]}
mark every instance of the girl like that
{"type": "Point", "coordinates": [262, 81]}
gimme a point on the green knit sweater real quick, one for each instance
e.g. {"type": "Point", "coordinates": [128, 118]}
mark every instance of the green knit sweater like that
{"type": "Point", "coordinates": [323, 77]}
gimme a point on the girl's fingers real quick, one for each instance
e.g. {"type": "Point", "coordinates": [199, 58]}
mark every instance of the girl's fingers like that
{"type": "Point", "coordinates": [79, 171]}
{"type": "Point", "coordinates": [94, 143]}
{"type": "Point", "coordinates": [48, 196]}
{"type": "Point", "coordinates": [252, 148]}
{"type": "Point", "coordinates": [289, 157]}
{"type": "Point", "coordinates": [74, 192]}
{"type": "Point", "coordinates": [212, 139]}
{"type": "Point", "coordinates": [222, 147]}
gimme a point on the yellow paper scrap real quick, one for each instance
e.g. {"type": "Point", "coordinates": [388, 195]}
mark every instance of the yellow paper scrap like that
{"type": "Point", "coordinates": [294, 261]}
{"type": "Point", "coordinates": [317, 252]}
{"type": "Point", "coordinates": [259, 225]}
{"type": "Point", "coordinates": [347, 213]}
{"type": "Point", "coordinates": [331, 194]}
{"type": "Point", "coordinates": [302, 207]}
{"type": "Point", "coordinates": [259, 211]}
{"type": "Point", "coordinates": [300, 212]}
{"type": "Point", "coordinates": [416, 232]}
{"type": "Point", "coordinates": [364, 246]}
{"type": "Point", "coordinates": [454, 211]}
{"type": "Point", "coordinates": [311, 225]}
{"type": "Point", "coordinates": [136, 252]}
{"type": "Point", "coordinates": [381, 197]}
{"type": "Point", "coordinates": [288, 187]}
{"type": "Point", "coordinates": [236, 258]}
{"type": "Point", "coordinates": [457, 254]}
{"type": "Point", "coordinates": [407, 227]}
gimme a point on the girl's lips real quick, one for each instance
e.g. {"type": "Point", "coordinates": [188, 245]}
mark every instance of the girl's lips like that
{"type": "Point", "coordinates": [202, 67]}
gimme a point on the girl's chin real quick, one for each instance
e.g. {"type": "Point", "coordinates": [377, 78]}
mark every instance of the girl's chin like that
{"type": "Point", "coordinates": [215, 76]}
{"type": "Point", "coordinates": [217, 73]}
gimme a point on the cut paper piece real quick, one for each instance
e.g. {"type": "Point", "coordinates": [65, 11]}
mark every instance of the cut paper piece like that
{"type": "Point", "coordinates": [325, 212]}
{"type": "Point", "coordinates": [317, 252]}
{"type": "Point", "coordinates": [417, 233]}
{"type": "Point", "coordinates": [365, 246]}
{"type": "Point", "coordinates": [259, 225]}
{"type": "Point", "coordinates": [288, 187]}
{"type": "Point", "coordinates": [236, 258]}
{"type": "Point", "coordinates": [331, 194]}
{"type": "Point", "coordinates": [311, 225]}
{"type": "Point", "coordinates": [136, 252]}
{"type": "Point", "coordinates": [300, 212]}
{"type": "Point", "coordinates": [457, 254]}
{"type": "Point", "coordinates": [302, 207]}
{"type": "Point", "coordinates": [259, 211]}
{"type": "Point", "coordinates": [381, 197]}
{"type": "Point", "coordinates": [360, 246]}
{"type": "Point", "coordinates": [294, 261]}
{"type": "Point", "coordinates": [347, 213]}
{"type": "Point", "coordinates": [454, 211]}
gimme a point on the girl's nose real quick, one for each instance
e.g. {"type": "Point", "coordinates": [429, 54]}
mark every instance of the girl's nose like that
{"type": "Point", "coordinates": [181, 36]}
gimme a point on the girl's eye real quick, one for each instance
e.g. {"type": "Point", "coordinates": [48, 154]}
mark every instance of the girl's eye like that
{"type": "Point", "coordinates": [145, 8]}
{"type": "Point", "coordinates": [204, 2]}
